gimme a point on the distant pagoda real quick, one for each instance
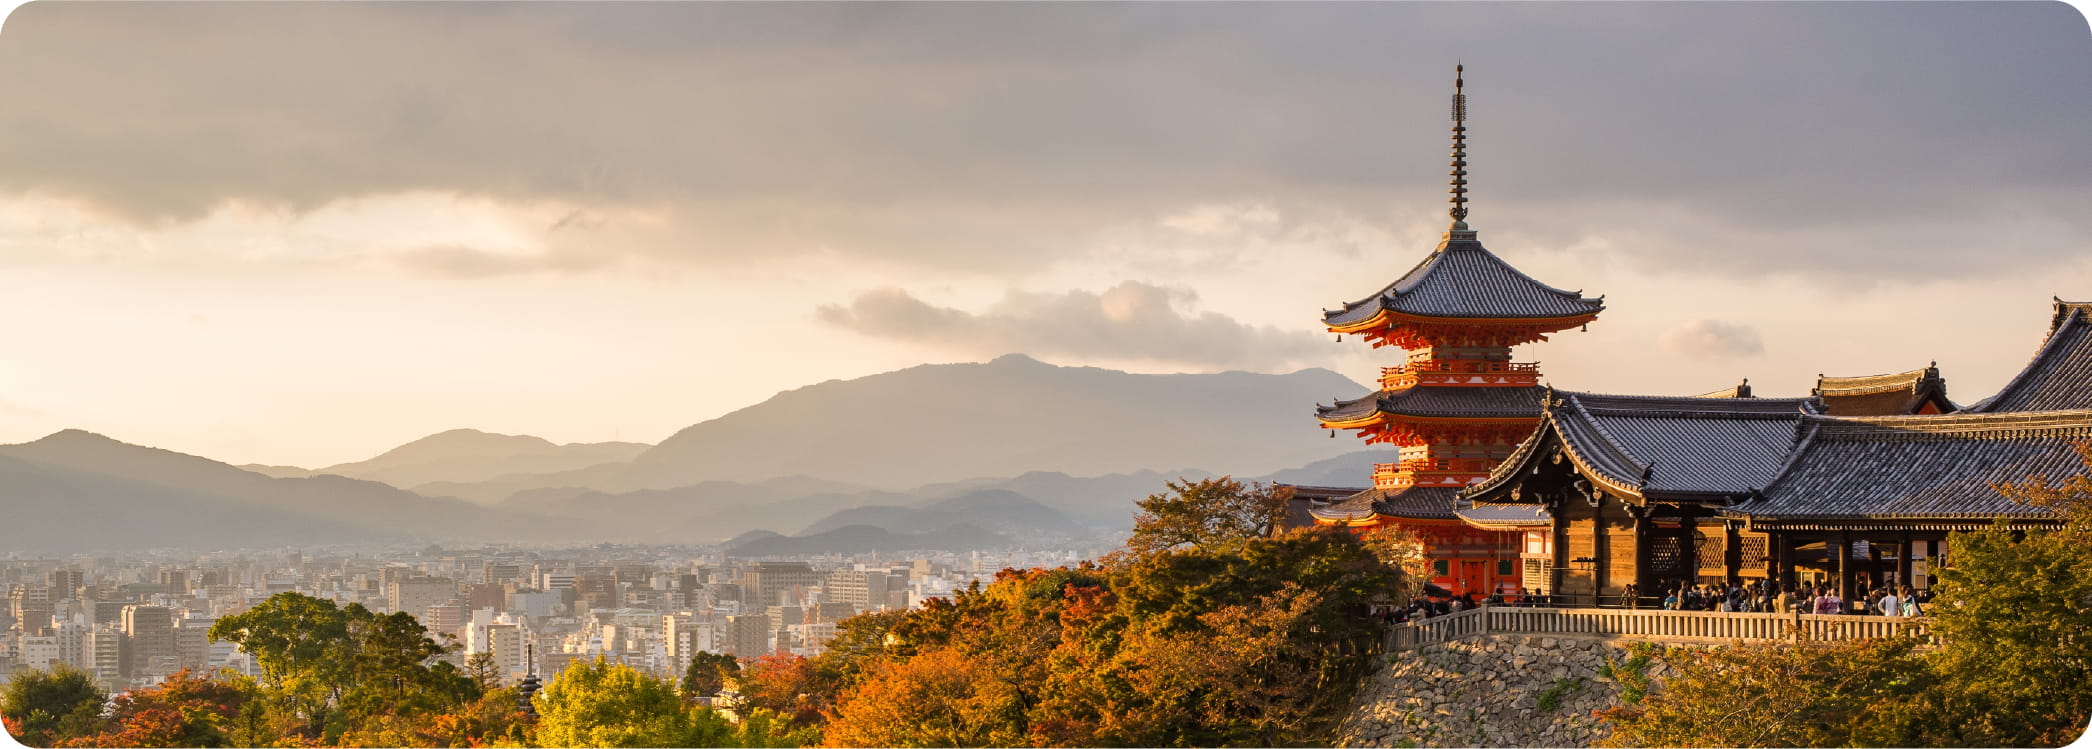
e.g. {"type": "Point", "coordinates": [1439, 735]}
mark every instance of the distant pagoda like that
{"type": "Point", "coordinates": [1459, 405]}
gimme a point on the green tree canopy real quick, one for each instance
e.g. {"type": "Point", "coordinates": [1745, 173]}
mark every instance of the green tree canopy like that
{"type": "Point", "coordinates": [599, 704]}
{"type": "Point", "coordinates": [45, 707]}
{"type": "Point", "coordinates": [708, 673]}
{"type": "Point", "coordinates": [1207, 514]}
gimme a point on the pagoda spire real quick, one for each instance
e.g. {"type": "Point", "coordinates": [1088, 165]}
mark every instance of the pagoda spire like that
{"type": "Point", "coordinates": [1459, 181]}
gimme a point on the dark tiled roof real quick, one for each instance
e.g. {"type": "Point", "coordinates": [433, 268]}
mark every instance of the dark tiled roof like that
{"type": "Point", "coordinates": [1921, 466]}
{"type": "Point", "coordinates": [1429, 400]}
{"type": "Point", "coordinates": [1461, 279]}
{"type": "Point", "coordinates": [1680, 446]}
{"type": "Point", "coordinates": [1434, 503]}
{"type": "Point", "coordinates": [1896, 394]}
{"type": "Point", "coordinates": [1300, 511]}
{"type": "Point", "coordinates": [1521, 515]}
{"type": "Point", "coordinates": [1667, 446]}
{"type": "Point", "coordinates": [2060, 376]}
{"type": "Point", "coordinates": [1357, 506]}
{"type": "Point", "coordinates": [1422, 503]}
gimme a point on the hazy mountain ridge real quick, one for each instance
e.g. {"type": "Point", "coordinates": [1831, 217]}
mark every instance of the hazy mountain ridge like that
{"type": "Point", "coordinates": [954, 422]}
{"type": "Point", "coordinates": [469, 456]}
{"type": "Point", "coordinates": [129, 480]}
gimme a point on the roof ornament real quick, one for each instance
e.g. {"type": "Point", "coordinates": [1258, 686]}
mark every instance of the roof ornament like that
{"type": "Point", "coordinates": [1459, 181]}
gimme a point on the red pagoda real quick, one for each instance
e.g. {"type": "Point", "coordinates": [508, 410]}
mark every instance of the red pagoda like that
{"type": "Point", "coordinates": [1458, 405]}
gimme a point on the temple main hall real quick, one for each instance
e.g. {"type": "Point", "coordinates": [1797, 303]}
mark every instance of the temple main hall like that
{"type": "Point", "coordinates": [1512, 484]}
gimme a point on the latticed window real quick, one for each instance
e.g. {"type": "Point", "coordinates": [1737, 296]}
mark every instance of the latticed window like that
{"type": "Point", "coordinates": [1753, 550]}
{"type": "Point", "coordinates": [1669, 556]}
{"type": "Point", "coordinates": [1708, 550]}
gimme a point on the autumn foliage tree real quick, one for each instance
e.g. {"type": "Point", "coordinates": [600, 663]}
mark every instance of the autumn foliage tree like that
{"type": "Point", "coordinates": [1847, 693]}
{"type": "Point", "coordinates": [1210, 629]}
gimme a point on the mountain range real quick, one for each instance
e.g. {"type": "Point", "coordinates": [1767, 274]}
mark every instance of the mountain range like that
{"type": "Point", "coordinates": [1012, 449]}
{"type": "Point", "coordinates": [466, 456]}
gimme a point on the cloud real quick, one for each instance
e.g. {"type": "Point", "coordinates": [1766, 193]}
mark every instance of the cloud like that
{"type": "Point", "coordinates": [1702, 339]}
{"type": "Point", "coordinates": [1132, 321]}
{"type": "Point", "coordinates": [1867, 140]}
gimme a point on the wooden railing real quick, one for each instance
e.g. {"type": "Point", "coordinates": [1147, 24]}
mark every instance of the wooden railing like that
{"type": "Point", "coordinates": [1476, 366]}
{"type": "Point", "coordinates": [1657, 624]}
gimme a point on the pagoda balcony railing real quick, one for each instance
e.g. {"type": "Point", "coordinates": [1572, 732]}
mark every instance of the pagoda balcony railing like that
{"type": "Point", "coordinates": [1476, 366]}
{"type": "Point", "coordinates": [1444, 465]}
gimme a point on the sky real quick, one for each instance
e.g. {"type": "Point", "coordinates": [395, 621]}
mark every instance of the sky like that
{"type": "Point", "coordinates": [304, 233]}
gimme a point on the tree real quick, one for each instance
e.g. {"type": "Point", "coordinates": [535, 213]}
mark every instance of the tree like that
{"type": "Point", "coordinates": [484, 672]}
{"type": "Point", "coordinates": [940, 698]}
{"type": "Point", "coordinates": [1399, 548]}
{"type": "Point", "coordinates": [707, 674]}
{"type": "Point", "coordinates": [1207, 514]}
{"type": "Point", "coordinates": [1846, 693]}
{"type": "Point", "coordinates": [300, 644]}
{"type": "Point", "coordinates": [2014, 615]}
{"type": "Point", "coordinates": [599, 704]}
{"type": "Point", "coordinates": [186, 710]}
{"type": "Point", "coordinates": [46, 707]}
{"type": "Point", "coordinates": [785, 684]}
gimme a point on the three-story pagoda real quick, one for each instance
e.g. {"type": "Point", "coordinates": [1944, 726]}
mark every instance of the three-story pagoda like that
{"type": "Point", "coordinates": [1458, 404]}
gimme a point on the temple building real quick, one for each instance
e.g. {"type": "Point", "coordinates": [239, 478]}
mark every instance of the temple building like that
{"type": "Point", "coordinates": [1656, 492]}
{"type": "Point", "coordinates": [1457, 404]}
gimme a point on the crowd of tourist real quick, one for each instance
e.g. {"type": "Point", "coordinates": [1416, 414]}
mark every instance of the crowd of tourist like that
{"type": "Point", "coordinates": [1759, 597]}
{"type": "Point", "coordinates": [1751, 597]}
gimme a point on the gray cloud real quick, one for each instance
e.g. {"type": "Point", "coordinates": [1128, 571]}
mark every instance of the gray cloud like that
{"type": "Point", "coordinates": [1899, 140]}
{"type": "Point", "coordinates": [1131, 321]}
{"type": "Point", "coordinates": [1711, 339]}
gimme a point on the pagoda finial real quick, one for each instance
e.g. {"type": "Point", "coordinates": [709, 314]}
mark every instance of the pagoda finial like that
{"type": "Point", "coordinates": [1459, 181]}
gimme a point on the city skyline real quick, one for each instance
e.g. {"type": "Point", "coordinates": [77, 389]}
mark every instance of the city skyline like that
{"type": "Point", "coordinates": [594, 223]}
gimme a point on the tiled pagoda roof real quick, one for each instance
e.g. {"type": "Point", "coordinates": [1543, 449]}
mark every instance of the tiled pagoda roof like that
{"type": "Point", "coordinates": [1440, 401]}
{"type": "Point", "coordinates": [2060, 376]}
{"type": "Point", "coordinates": [1920, 467]}
{"type": "Point", "coordinates": [1463, 280]}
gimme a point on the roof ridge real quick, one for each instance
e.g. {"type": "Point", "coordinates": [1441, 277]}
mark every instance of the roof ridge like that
{"type": "Point", "coordinates": [2007, 423]}
{"type": "Point", "coordinates": [1695, 406]}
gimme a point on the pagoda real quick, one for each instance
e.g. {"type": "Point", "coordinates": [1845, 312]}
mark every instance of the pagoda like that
{"type": "Point", "coordinates": [1457, 405]}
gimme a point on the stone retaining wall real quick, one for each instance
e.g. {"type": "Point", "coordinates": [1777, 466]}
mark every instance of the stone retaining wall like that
{"type": "Point", "coordinates": [1492, 691]}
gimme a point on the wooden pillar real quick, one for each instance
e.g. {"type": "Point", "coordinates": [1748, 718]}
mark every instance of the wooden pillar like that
{"type": "Point", "coordinates": [1641, 550]}
{"type": "Point", "coordinates": [1844, 568]}
{"type": "Point", "coordinates": [1602, 550]}
{"type": "Point", "coordinates": [1732, 553]}
{"type": "Point", "coordinates": [1902, 561]}
{"type": "Point", "coordinates": [1560, 544]}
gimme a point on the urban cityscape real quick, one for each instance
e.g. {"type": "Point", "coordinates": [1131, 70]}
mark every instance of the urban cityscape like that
{"type": "Point", "coordinates": [133, 621]}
